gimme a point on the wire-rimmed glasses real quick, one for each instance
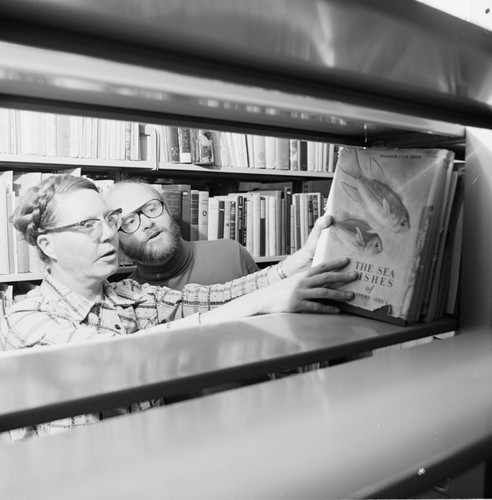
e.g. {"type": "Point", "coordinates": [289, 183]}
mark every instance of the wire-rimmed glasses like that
{"type": "Point", "coordinates": [131, 222]}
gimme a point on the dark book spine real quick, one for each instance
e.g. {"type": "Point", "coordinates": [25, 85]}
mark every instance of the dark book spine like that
{"type": "Point", "coordinates": [194, 216]}
{"type": "Point", "coordinates": [173, 144]}
{"type": "Point", "coordinates": [302, 154]}
{"type": "Point", "coordinates": [262, 226]}
{"type": "Point", "coordinates": [221, 219]}
{"type": "Point", "coordinates": [233, 235]}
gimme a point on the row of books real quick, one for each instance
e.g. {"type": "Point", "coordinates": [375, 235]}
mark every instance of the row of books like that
{"type": "Point", "coordinates": [399, 217]}
{"type": "Point", "coordinates": [231, 149]}
{"type": "Point", "coordinates": [32, 133]}
{"type": "Point", "coordinates": [55, 135]}
{"type": "Point", "coordinates": [268, 222]}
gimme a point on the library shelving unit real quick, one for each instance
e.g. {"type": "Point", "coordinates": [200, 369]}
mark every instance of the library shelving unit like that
{"type": "Point", "coordinates": [364, 73]}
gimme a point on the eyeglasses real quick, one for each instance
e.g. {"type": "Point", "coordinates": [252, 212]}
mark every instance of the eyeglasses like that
{"type": "Point", "coordinates": [151, 209]}
{"type": "Point", "coordinates": [92, 227]}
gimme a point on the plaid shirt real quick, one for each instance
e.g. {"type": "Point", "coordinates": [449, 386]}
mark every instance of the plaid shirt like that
{"type": "Point", "coordinates": [52, 314]}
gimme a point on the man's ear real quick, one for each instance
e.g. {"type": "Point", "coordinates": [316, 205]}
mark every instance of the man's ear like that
{"type": "Point", "coordinates": [46, 245]}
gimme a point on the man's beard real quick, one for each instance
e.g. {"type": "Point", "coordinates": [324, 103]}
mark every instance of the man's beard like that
{"type": "Point", "coordinates": [157, 254]}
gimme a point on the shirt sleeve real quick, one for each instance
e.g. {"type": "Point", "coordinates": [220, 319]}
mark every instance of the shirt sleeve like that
{"type": "Point", "coordinates": [177, 304]}
{"type": "Point", "coordinates": [26, 326]}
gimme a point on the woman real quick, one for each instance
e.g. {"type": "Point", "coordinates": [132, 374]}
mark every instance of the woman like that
{"type": "Point", "coordinates": [67, 219]}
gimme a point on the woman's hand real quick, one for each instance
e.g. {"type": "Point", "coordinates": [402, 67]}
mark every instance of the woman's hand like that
{"type": "Point", "coordinates": [310, 291]}
{"type": "Point", "coordinates": [303, 258]}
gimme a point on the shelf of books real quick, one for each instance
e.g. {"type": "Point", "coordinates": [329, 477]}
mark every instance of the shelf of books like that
{"type": "Point", "coordinates": [265, 192]}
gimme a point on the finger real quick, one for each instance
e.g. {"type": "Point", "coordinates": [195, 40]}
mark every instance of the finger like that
{"type": "Point", "coordinates": [322, 293]}
{"type": "Point", "coordinates": [330, 279]}
{"type": "Point", "coordinates": [318, 307]}
{"type": "Point", "coordinates": [324, 221]}
{"type": "Point", "coordinates": [333, 265]}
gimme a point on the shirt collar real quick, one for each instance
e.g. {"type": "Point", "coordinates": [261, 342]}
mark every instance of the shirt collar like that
{"type": "Point", "coordinates": [79, 307]}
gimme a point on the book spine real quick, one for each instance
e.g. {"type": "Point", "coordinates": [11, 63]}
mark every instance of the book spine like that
{"type": "Point", "coordinates": [259, 158]}
{"type": "Point", "coordinates": [294, 154]}
{"type": "Point", "coordinates": [194, 195]}
{"type": "Point", "coordinates": [270, 152]}
{"type": "Point", "coordinates": [174, 204]}
{"type": "Point", "coordinates": [205, 147]}
{"type": "Point", "coordinates": [303, 156]}
{"type": "Point", "coordinates": [282, 154]}
{"type": "Point", "coordinates": [221, 219]}
{"type": "Point", "coordinates": [173, 144]}
{"type": "Point", "coordinates": [213, 219]}
{"type": "Point", "coordinates": [184, 136]}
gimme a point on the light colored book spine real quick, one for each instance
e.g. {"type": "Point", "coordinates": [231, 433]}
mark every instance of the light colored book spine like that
{"type": "Point", "coordinates": [294, 154]}
{"type": "Point", "coordinates": [203, 199]}
{"type": "Point", "coordinates": [4, 240]}
{"type": "Point", "coordinates": [213, 219]}
{"type": "Point", "coordinates": [259, 158]}
{"type": "Point", "coordinates": [282, 153]}
{"type": "Point", "coordinates": [270, 152]}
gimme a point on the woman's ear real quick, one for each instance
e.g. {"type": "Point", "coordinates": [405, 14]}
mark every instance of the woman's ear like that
{"type": "Point", "coordinates": [45, 243]}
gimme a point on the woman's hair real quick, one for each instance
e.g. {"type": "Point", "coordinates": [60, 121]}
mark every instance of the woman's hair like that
{"type": "Point", "coordinates": [36, 210]}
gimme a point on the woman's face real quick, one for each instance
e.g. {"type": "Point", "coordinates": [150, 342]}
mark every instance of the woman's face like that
{"type": "Point", "coordinates": [86, 257]}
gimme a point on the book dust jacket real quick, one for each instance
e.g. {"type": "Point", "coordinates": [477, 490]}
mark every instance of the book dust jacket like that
{"type": "Point", "coordinates": [385, 205]}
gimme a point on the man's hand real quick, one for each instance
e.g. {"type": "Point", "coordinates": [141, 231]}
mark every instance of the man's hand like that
{"type": "Point", "coordinates": [303, 258]}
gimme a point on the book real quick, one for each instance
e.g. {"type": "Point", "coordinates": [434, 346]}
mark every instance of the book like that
{"type": "Point", "coordinates": [259, 157]}
{"type": "Point", "coordinates": [181, 215]}
{"type": "Point", "coordinates": [27, 257]}
{"type": "Point", "coordinates": [222, 149]}
{"type": "Point", "coordinates": [386, 206]}
{"type": "Point", "coordinates": [4, 224]}
{"type": "Point", "coordinates": [172, 144]}
{"type": "Point", "coordinates": [213, 219]}
{"type": "Point", "coordinates": [270, 152]}
{"type": "Point", "coordinates": [203, 197]}
{"type": "Point", "coordinates": [282, 153]}
{"type": "Point", "coordinates": [302, 153]}
{"type": "Point", "coordinates": [294, 154]}
{"type": "Point", "coordinates": [194, 214]}
{"type": "Point", "coordinates": [184, 137]}
{"type": "Point", "coordinates": [202, 147]}
{"type": "Point", "coordinates": [173, 199]}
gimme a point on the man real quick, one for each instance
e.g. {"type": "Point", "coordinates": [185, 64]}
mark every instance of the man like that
{"type": "Point", "coordinates": [162, 257]}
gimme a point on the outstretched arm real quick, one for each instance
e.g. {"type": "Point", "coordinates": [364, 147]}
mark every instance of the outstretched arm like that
{"type": "Point", "coordinates": [306, 291]}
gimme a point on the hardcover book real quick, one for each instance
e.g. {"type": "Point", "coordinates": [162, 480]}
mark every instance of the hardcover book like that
{"type": "Point", "coordinates": [386, 205]}
{"type": "Point", "coordinates": [182, 214]}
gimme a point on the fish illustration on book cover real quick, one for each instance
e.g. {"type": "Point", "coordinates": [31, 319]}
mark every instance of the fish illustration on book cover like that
{"type": "Point", "coordinates": [383, 203]}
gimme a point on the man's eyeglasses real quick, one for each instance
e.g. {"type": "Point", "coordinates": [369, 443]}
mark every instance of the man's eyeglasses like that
{"type": "Point", "coordinates": [92, 227]}
{"type": "Point", "coordinates": [151, 209]}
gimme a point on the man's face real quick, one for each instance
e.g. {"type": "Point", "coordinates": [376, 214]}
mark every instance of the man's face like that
{"type": "Point", "coordinates": [156, 239]}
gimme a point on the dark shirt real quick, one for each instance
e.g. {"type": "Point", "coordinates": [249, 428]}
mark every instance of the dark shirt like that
{"type": "Point", "coordinates": [201, 262]}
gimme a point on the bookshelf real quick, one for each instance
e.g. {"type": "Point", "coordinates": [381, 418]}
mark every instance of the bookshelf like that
{"type": "Point", "coordinates": [302, 75]}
